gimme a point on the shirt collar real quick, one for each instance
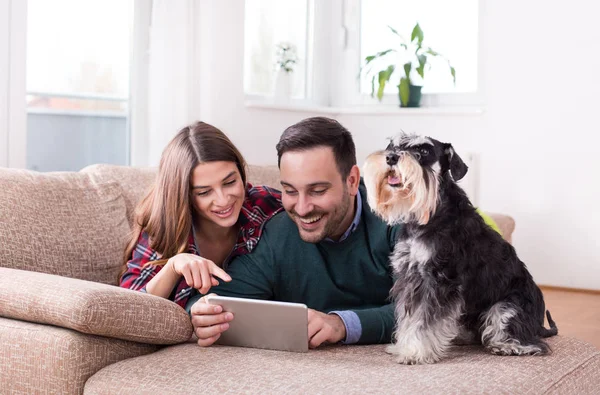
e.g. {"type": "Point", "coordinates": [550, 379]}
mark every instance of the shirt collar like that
{"type": "Point", "coordinates": [354, 223]}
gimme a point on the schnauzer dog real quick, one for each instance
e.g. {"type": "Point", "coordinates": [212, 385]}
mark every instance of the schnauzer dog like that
{"type": "Point", "coordinates": [456, 279]}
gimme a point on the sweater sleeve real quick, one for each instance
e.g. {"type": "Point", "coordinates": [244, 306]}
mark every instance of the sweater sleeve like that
{"type": "Point", "coordinates": [252, 275]}
{"type": "Point", "coordinates": [377, 324]}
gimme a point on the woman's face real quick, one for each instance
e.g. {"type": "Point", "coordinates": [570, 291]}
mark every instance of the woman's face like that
{"type": "Point", "coordinates": [217, 192]}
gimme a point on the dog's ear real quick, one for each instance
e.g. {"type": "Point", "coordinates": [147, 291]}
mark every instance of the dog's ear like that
{"type": "Point", "coordinates": [458, 169]}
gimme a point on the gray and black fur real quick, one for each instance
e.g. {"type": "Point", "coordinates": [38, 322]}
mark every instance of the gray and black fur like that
{"type": "Point", "coordinates": [457, 279]}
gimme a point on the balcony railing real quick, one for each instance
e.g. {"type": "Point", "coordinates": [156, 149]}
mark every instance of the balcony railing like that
{"type": "Point", "coordinates": [67, 136]}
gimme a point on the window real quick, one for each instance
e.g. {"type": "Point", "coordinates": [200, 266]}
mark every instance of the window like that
{"type": "Point", "coordinates": [78, 59]}
{"type": "Point", "coordinates": [270, 24]}
{"type": "Point", "coordinates": [341, 34]}
{"type": "Point", "coordinates": [450, 28]}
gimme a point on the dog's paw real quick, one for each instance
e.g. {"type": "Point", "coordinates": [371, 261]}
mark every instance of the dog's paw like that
{"type": "Point", "coordinates": [405, 360]}
{"type": "Point", "coordinates": [392, 349]}
{"type": "Point", "coordinates": [416, 358]}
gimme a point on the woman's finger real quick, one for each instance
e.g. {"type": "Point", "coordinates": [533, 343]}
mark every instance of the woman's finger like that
{"type": "Point", "coordinates": [197, 276]}
{"type": "Point", "coordinates": [206, 278]}
{"type": "Point", "coordinates": [217, 271]}
{"type": "Point", "coordinates": [189, 278]}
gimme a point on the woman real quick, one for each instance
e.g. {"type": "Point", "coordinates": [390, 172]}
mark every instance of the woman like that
{"type": "Point", "coordinates": [199, 214]}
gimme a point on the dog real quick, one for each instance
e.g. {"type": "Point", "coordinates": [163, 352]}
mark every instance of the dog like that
{"type": "Point", "coordinates": [457, 281]}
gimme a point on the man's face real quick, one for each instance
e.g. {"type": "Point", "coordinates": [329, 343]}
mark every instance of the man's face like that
{"type": "Point", "coordinates": [314, 194]}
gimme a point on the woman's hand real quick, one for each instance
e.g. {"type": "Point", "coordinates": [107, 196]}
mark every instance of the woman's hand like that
{"type": "Point", "coordinates": [198, 272]}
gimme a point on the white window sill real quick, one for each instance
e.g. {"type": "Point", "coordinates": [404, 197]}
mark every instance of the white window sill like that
{"type": "Point", "coordinates": [382, 109]}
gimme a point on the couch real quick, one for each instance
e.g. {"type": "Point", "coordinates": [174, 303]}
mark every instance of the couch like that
{"type": "Point", "coordinates": [65, 327]}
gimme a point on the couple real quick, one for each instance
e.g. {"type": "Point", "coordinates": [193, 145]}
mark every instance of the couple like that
{"type": "Point", "coordinates": [328, 250]}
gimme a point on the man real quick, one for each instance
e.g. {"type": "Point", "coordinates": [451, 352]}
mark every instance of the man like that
{"type": "Point", "coordinates": [328, 250]}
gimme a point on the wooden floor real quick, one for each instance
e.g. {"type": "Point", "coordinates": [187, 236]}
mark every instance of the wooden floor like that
{"type": "Point", "coordinates": [577, 314]}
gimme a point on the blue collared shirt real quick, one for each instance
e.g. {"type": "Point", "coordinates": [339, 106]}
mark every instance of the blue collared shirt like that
{"type": "Point", "coordinates": [349, 318]}
{"type": "Point", "coordinates": [354, 223]}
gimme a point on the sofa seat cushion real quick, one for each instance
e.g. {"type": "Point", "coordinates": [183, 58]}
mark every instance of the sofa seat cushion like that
{"type": "Point", "coordinates": [62, 223]}
{"type": "Point", "coordinates": [44, 359]}
{"type": "Point", "coordinates": [574, 367]}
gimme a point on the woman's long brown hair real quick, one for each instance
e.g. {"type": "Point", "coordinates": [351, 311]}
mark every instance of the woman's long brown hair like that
{"type": "Point", "coordinates": [166, 212]}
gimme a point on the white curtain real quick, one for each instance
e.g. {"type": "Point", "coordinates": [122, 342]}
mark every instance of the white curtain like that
{"type": "Point", "coordinates": [172, 85]}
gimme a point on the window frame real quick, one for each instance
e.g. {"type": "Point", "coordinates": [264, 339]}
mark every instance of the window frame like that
{"type": "Point", "coordinates": [336, 64]}
{"type": "Point", "coordinates": [311, 46]}
{"type": "Point", "coordinates": [13, 117]}
{"type": "Point", "coordinates": [13, 107]}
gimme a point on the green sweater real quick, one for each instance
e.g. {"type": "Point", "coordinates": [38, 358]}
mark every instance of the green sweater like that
{"type": "Point", "coordinates": [351, 275]}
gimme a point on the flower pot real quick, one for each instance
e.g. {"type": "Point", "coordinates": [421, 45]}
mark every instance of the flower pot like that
{"type": "Point", "coordinates": [283, 86]}
{"type": "Point", "coordinates": [414, 99]}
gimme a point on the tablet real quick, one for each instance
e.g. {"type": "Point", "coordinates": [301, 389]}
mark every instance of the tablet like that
{"type": "Point", "coordinates": [264, 324]}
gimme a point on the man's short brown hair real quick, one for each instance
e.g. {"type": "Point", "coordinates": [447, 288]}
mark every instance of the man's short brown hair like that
{"type": "Point", "coordinates": [320, 132]}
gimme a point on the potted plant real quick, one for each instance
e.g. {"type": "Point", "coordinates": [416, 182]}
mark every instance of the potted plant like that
{"type": "Point", "coordinates": [286, 59]}
{"type": "Point", "coordinates": [416, 60]}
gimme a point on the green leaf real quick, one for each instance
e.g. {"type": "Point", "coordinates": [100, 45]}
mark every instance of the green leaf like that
{"type": "Point", "coordinates": [371, 58]}
{"type": "Point", "coordinates": [417, 33]}
{"type": "Point", "coordinates": [382, 82]}
{"type": "Point", "coordinates": [373, 86]}
{"type": "Point", "coordinates": [432, 52]}
{"type": "Point", "coordinates": [383, 53]}
{"type": "Point", "coordinates": [384, 77]}
{"type": "Point", "coordinates": [397, 34]}
{"type": "Point", "coordinates": [421, 68]}
{"type": "Point", "coordinates": [407, 68]}
{"type": "Point", "coordinates": [453, 72]}
{"type": "Point", "coordinates": [404, 89]}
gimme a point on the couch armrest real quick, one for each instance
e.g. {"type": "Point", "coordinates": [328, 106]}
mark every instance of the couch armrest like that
{"type": "Point", "coordinates": [91, 308]}
{"type": "Point", "coordinates": [505, 223]}
{"type": "Point", "coordinates": [46, 359]}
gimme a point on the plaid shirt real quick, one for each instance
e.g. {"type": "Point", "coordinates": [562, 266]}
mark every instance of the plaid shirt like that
{"type": "Point", "coordinates": [261, 203]}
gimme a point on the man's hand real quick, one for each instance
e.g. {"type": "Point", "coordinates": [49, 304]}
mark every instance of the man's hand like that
{"type": "Point", "coordinates": [324, 328]}
{"type": "Point", "coordinates": [209, 321]}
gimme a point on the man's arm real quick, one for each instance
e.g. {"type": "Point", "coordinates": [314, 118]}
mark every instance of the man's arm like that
{"type": "Point", "coordinates": [252, 276]}
{"type": "Point", "coordinates": [369, 326]}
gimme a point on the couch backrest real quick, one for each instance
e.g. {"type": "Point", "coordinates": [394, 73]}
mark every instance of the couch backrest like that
{"type": "Point", "coordinates": [67, 224]}
{"type": "Point", "coordinates": [135, 182]}
{"type": "Point", "coordinates": [77, 224]}
{"type": "Point", "coordinates": [264, 175]}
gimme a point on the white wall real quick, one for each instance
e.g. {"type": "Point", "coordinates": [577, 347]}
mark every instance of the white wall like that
{"type": "Point", "coordinates": [536, 140]}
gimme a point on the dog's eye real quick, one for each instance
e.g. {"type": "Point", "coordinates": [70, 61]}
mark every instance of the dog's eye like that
{"type": "Point", "coordinates": [424, 151]}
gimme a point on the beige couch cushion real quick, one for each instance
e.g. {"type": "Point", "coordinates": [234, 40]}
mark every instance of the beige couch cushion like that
{"type": "Point", "coordinates": [135, 182]}
{"type": "Point", "coordinates": [264, 175]}
{"type": "Point", "coordinates": [62, 223]}
{"type": "Point", "coordinates": [92, 308]}
{"type": "Point", "coordinates": [43, 359]}
{"type": "Point", "coordinates": [188, 368]}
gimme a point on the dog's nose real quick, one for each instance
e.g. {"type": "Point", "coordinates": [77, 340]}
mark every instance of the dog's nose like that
{"type": "Point", "coordinates": [391, 159]}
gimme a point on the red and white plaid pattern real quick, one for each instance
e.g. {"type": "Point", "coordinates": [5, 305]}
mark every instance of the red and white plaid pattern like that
{"type": "Point", "coordinates": [261, 203]}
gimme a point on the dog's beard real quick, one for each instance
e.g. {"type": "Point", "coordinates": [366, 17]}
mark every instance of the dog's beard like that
{"type": "Point", "coordinates": [414, 199]}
